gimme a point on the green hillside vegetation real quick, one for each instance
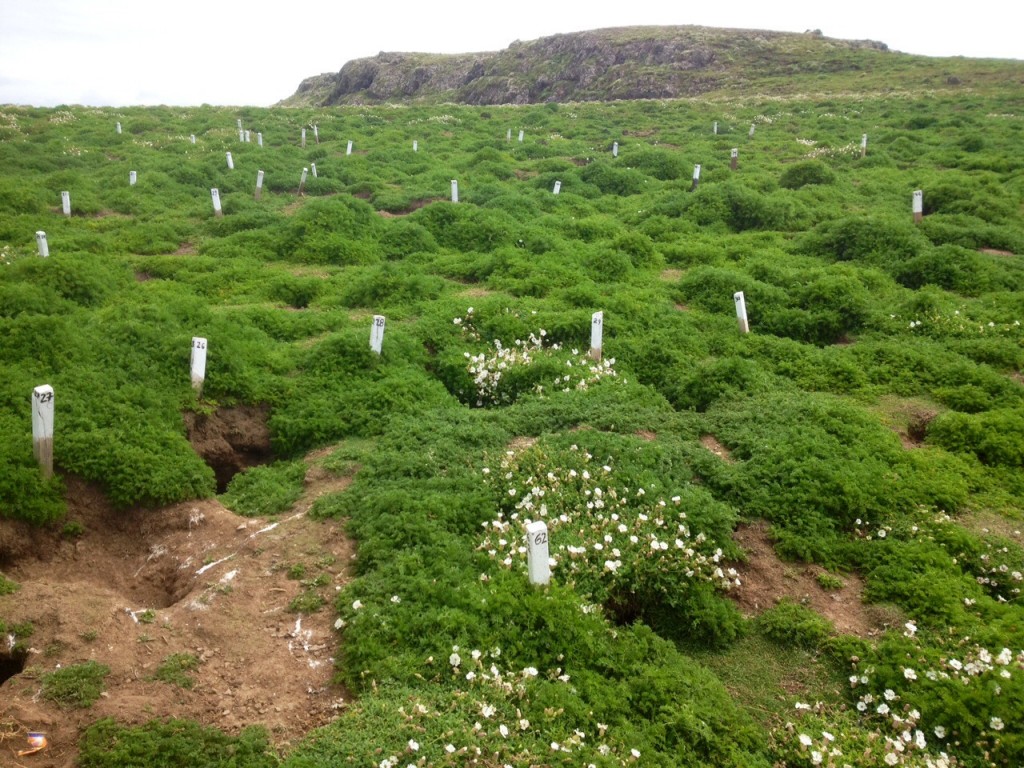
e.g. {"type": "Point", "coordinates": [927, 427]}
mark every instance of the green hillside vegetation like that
{"type": "Point", "coordinates": [873, 415]}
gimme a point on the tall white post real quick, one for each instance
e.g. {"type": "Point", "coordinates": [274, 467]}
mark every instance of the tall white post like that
{"type": "Point", "coordinates": [596, 333]}
{"type": "Point", "coordinates": [615, 149]}
{"type": "Point", "coordinates": [558, 187]}
{"type": "Point", "coordinates": [42, 428]}
{"type": "Point", "coordinates": [239, 123]}
{"type": "Point", "coordinates": [316, 134]}
{"type": "Point", "coordinates": [65, 202]}
{"type": "Point", "coordinates": [132, 178]}
{"type": "Point", "coordinates": [696, 177]}
{"type": "Point", "coordinates": [44, 247]}
{"type": "Point", "coordinates": [455, 190]}
{"type": "Point", "coordinates": [752, 127]}
{"type": "Point", "coordinates": [259, 138]}
{"type": "Point", "coordinates": [197, 364]}
{"type": "Point", "coordinates": [864, 145]}
{"type": "Point", "coordinates": [348, 149]}
{"type": "Point", "coordinates": [714, 128]}
{"type": "Point", "coordinates": [537, 553]}
{"type": "Point", "coordinates": [302, 180]}
{"type": "Point", "coordinates": [415, 146]}
{"type": "Point", "coordinates": [303, 138]}
{"type": "Point", "coordinates": [312, 167]}
{"type": "Point", "coordinates": [917, 206]}
{"type": "Point", "coordinates": [741, 312]}
{"type": "Point", "coordinates": [119, 128]}
{"type": "Point", "coordinates": [231, 163]}
{"type": "Point", "coordinates": [377, 333]}
{"type": "Point", "coordinates": [259, 184]}
{"type": "Point", "coordinates": [215, 196]}
{"type": "Point", "coordinates": [734, 158]}
{"type": "Point", "coordinates": [521, 133]}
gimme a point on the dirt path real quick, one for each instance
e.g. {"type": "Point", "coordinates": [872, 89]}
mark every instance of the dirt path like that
{"type": "Point", "coordinates": [140, 586]}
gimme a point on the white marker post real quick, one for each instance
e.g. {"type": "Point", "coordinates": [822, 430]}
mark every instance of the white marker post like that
{"type": "Point", "coordinates": [455, 190]}
{"type": "Point", "coordinates": [316, 134]}
{"type": "Point", "coordinates": [259, 184]}
{"type": "Point", "coordinates": [215, 195]}
{"type": "Point", "coordinates": [741, 312]}
{"type": "Point", "coordinates": [259, 139]}
{"type": "Point", "coordinates": [348, 149]}
{"type": "Point", "coordinates": [615, 149]}
{"type": "Point", "coordinates": [65, 202]}
{"type": "Point", "coordinates": [377, 333]}
{"type": "Point", "coordinates": [302, 181]}
{"type": "Point", "coordinates": [537, 553]}
{"type": "Point", "coordinates": [303, 138]}
{"type": "Point", "coordinates": [558, 187]}
{"type": "Point", "coordinates": [42, 428]}
{"type": "Point", "coordinates": [415, 146]}
{"type": "Point", "coordinates": [734, 158]}
{"type": "Point", "coordinates": [508, 135]}
{"type": "Point", "coordinates": [132, 178]}
{"type": "Point", "coordinates": [714, 128]}
{"type": "Point", "coordinates": [193, 137]}
{"type": "Point", "coordinates": [917, 206]}
{"type": "Point", "coordinates": [44, 247]}
{"type": "Point", "coordinates": [231, 163]}
{"type": "Point", "coordinates": [248, 137]}
{"type": "Point", "coordinates": [239, 123]}
{"type": "Point", "coordinates": [312, 167]}
{"type": "Point", "coordinates": [521, 133]}
{"type": "Point", "coordinates": [864, 145]}
{"type": "Point", "coordinates": [197, 364]}
{"type": "Point", "coordinates": [119, 128]}
{"type": "Point", "coordinates": [752, 127]}
{"type": "Point", "coordinates": [696, 177]}
{"type": "Point", "coordinates": [241, 135]}
{"type": "Point", "coordinates": [596, 333]}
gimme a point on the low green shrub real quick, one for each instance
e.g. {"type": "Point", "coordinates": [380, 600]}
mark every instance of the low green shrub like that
{"type": "Point", "coordinates": [78, 685]}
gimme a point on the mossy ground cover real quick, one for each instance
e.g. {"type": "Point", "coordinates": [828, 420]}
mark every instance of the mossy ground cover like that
{"type": "Point", "coordinates": [876, 403]}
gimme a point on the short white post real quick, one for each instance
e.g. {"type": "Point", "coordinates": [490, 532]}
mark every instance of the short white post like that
{"type": "Point", "coordinates": [302, 181]}
{"type": "Point", "coordinates": [259, 139]}
{"type": "Point", "coordinates": [241, 135]}
{"type": "Point", "coordinates": [132, 178]}
{"type": "Point", "coordinates": [192, 136]}
{"type": "Point", "coordinates": [65, 202]}
{"type": "Point", "coordinates": [615, 149]}
{"type": "Point", "coordinates": [508, 135]}
{"type": "Point", "coordinates": [259, 184]}
{"type": "Point", "coordinates": [864, 145]}
{"type": "Point", "coordinates": [42, 428]}
{"type": "Point", "coordinates": [248, 137]}
{"type": "Point", "coordinates": [537, 553]}
{"type": "Point", "coordinates": [558, 187]}
{"type": "Point", "coordinates": [521, 133]}
{"type": "Point", "coordinates": [303, 138]}
{"type": "Point", "coordinates": [752, 127]}
{"type": "Point", "coordinates": [215, 196]}
{"type": "Point", "coordinates": [316, 134]}
{"type": "Point", "coordinates": [197, 364]}
{"type": "Point", "coordinates": [415, 146]}
{"type": "Point", "coordinates": [231, 163]}
{"type": "Point", "coordinates": [239, 123]}
{"type": "Point", "coordinates": [455, 190]}
{"type": "Point", "coordinates": [377, 333]}
{"type": "Point", "coordinates": [119, 127]}
{"type": "Point", "coordinates": [734, 158]}
{"type": "Point", "coordinates": [596, 332]}
{"type": "Point", "coordinates": [348, 149]}
{"type": "Point", "coordinates": [312, 167]}
{"type": "Point", "coordinates": [917, 206]}
{"type": "Point", "coordinates": [741, 312]}
{"type": "Point", "coordinates": [44, 247]}
{"type": "Point", "coordinates": [696, 177]}
{"type": "Point", "coordinates": [714, 128]}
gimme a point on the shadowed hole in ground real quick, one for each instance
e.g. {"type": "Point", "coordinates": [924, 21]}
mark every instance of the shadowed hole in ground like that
{"type": "Point", "coordinates": [230, 440]}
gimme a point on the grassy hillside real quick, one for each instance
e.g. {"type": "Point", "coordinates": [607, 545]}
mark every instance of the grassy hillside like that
{"type": "Point", "coordinates": [872, 419]}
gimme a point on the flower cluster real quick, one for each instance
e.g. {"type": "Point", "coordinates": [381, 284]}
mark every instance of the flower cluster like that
{"type": "Point", "coordinates": [62, 117]}
{"type": "Point", "coordinates": [853, 148]}
{"type": "Point", "coordinates": [958, 325]}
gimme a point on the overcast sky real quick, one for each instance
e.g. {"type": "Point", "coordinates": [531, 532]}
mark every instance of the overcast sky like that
{"type": "Point", "coordinates": [185, 52]}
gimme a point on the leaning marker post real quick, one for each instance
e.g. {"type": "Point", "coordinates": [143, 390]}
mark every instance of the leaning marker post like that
{"type": "Point", "coordinates": [558, 187]}
{"type": "Point", "coordinates": [455, 190]}
{"type": "Point", "coordinates": [44, 247]}
{"type": "Point", "coordinates": [377, 333]}
{"type": "Point", "coordinates": [215, 196]}
{"type": "Point", "coordinates": [302, 181]}
{"type": "Point", "coordinates": [596, 333]}
{"type": "Point", "coordinates": [259, 184]}
{"type": "Point", "coordinates": [312, 167]}
{"type": "Point", "coordinates": [615, 149]}
{"type": "Point", "coordinates": [42, 428]}
{"type": "Point", "coordinates": [197, 364]}
{"type": "Point", "coordinates": [741, 312]}
{"type": "Point", "coordinates": [917, 206]}
{"type": "Point", "coordinates": [537, 553]}
{"type": "Point", "coordinates": [65, 202]}
{"type": "Point", "coordinates": [231, 162]}
{"type": "Point", "coordinates": [348, 149]}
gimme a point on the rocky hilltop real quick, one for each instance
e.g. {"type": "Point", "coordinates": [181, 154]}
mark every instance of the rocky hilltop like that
{"type": "Point", "coordinates": [600, 65]}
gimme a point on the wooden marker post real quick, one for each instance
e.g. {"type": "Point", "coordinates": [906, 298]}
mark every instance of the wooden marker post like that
{"type": "Point", "coordinates": [734, 158]}
{"type": "Point", "coordinates": [119, 129]}
{"type": "Point", "coordinates": [215, 196]}
{"type": "Point", "coordinates": [696, 177]}
{"type": "Point", "coordinates": [714, 128]}
{"type": "Point", "coordinates": [348, 149]}
{"type": "Point", "coordinates": [377, 333]}
{"type": "Point", "coordinates": [303, 138]}
{"type": "Point", "coordinates": [65, 202]}
{"type": "Point", "coordinates": [752, 127]}
{"type": "Point", "coordinates": [312, 167]}
{"type": "Point", "coordinates": [415, 146]}
{"type": "Point", "coordinates": [132, 178]}
{"type": "Point", "coordinates": [741, 312]}
{"type": "Point", "coordinates": [558, 187]}
{"type": "Point", "coordinates": [864, 145]}
{"type": "Point", "coordinates": [316, 134]}
{"type": "Point", "coordinates": [917, 206]}
{"type": "Point", "coordinates": [302, 181]}
{"type": "Point", "coordinates": [615, 149]}
{"type": "Point", "coordinates": [455, 190]}
{"type": "Point", "coordinates": [596, 332]}
{"type": "Point", "coordinates": [259, 184]}
{"type": "Point", "coordinates": [259, 138]}
{"type": "Point", "coordinates": [197, 364]}
{"type": "Point", "coordinates": [231, 163]}
{"type": "Point", "coordinates": [42, 428]}
{"type": "Point", "coordinates": [537, 553]}
{"type": "Point", "coordinates": [44, 247]}
{"type": "Point", "coordinates": [521, 134]}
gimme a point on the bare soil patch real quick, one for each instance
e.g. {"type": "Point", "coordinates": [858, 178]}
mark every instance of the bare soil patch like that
{"type": "Point", "coordinates": [766, 579]}
{"type": "Point", "coordinates": [415, 205]}
{"type": "Point", "coordinates": [908, 418]}
{"type": "Point", "coordinates": [711, 443]}
{"type": "Point", "coordinates": [671, 275]}
{"type": "Point", "coordinates": [995, 252]}
{"type": "Point", "coordinates": [230, 440]}
{"type": "Point", "coordinates": [194, 578]}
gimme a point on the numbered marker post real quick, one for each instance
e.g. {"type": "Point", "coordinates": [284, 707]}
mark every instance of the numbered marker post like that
{"type": "Point", "coordinates": [132, 178]}
{"type": "Point", "coordinates": [44, 247]}
{"type": "Point", "coordinates": [65, 202]}
{"type": "Point", "coordinates": [537, 553]}
{"type": "Point", "coordinates": [521, 134]}
{"type": "Point", "coordinates": [302, 180]}
{"type": "Point", "coordinates": [864, 145]}
{"type": "Point", "coordinates": [119, 128]}
{"type": "Point", "coordinates": [615, 149]}
{"type": "Point", "coordinates": [42, 428]}
{"type": "Point", "coordinates": [558, 187]}
{"type": "Point", "coordinates": [377, 333]}
{"type": "Point", "coordinates": [197, 364]}
{"type": "Point", "coordinates": [696, 177]}
{"type": "Point", "coordinates": [316, 134]}
{"type": "Point", "coordinates": [714, 128]}
{"type": "Point", "coordinates": [917, 206]}
{"type": "Point", "coordinates": [741, 312]}
{"type": "Point", "coordinates": [596, 332]}
{"type": "Point", "coordinates": [259, 139]}
{"type": "Point", "coordinates": [348, 149]}
{"type": "Point", "coordinates": [259, 184]}
{"type": "Point", "coordinates": [734, 158]}
{"type": "Point", "coordinates": [415, 146]}
{"type": "Point", "coordinates": [752, 127]}
{"type": "Point", "coordinates": [455, 190]}
{"type": "Point", "coordinates": [312, 167]}
{"type": "Point", "coordinates": [231, 162]}
{"type": "Point", "coordinates": [303, 138]}
{"type": "Point", "coordinates": [215, 196]}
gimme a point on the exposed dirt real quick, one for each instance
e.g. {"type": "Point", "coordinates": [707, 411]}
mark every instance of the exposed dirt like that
{"type": "Point", "coordinates": [995, 252]}
{"type": "Point", "coordinates": [194, 578]}
{"type": "Point", "coordinates": [415, 205]}
{"type": "Point", "coordinates": [711, 443]}
{"type": "Point", "coordinates": [230, 439]}
{"type": "Point", "coordinates": [671, 275]}
{"type": "Point", "coordinates": [767, 579]}
{"type": "Point", "coordinates": [908, 418]}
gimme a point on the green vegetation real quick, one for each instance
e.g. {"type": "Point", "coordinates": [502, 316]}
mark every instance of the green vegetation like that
{"type": "Point", "coordinates": [874, 411]}
{"type": "Point", "coordinates": [175, 670]}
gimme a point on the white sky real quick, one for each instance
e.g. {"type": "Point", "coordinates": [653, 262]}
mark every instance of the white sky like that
{"type": "Point", "coordinates": [254, 52]}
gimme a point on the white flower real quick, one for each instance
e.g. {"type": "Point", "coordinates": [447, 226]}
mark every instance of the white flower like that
{"type": "Point", "coordinates": [889, 694]}
{"type": "Point", "coordinates": [357, 605]}
{"type": "Point", "coordinates": [503, 730]}
{"type": "Point", "coordinates": [414, 745]}
{"type": "Point", "coordinates": [805, 740]}
{"type": "Point", "coordinates": [530, 672]}
{"type": "Point", "coordinates": [524, 724]}
{"type": "Point", "coordinates": [816, 757]}
{"type": "Point", "coordinates": [396, 599]}
{"type": "Point", "coordinates": [455, 659]}
{"type": "Point", "coordinates": [940, 732]}
{"type": "Point", "coordinates": [995, 724]}
{"type": "Point", "coordinates": [891, 758]}
{"type": "Point", "coordinates": [449, 748]}
{"type": "Point", "coordinates": [487, 710]}
{"type": "Point", "coordinates": [909, 673]}
{"type": "Point", "coordinates": [635, 753]}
